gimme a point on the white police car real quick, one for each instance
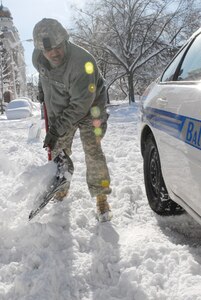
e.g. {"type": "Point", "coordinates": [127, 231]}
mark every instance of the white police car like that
{"type": "Point", "coordinates": [171, 134]}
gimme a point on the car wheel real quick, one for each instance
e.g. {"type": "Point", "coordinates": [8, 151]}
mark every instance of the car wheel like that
{"type": "Point", "coordinates": [156, 191]}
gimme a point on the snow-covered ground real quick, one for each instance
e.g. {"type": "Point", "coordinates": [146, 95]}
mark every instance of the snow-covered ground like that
{"type": "Point", "coordinates": [64, 254]}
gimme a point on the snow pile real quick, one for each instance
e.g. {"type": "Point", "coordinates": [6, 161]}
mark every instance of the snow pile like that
{"type": "Point", "coordinates": [64, 254]}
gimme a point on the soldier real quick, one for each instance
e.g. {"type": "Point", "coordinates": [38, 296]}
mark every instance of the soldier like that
{"type": "Point", "coordinates": [75, 98]}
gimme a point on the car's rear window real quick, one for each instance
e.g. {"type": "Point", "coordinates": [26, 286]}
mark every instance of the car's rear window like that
{"type": "Point", "coordinates": [191, 66]}
{"type": "Point", "coordinates": [169, 73]}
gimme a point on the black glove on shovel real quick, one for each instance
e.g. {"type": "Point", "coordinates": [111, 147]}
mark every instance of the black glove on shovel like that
{"type": "Point", "coordinates": [51, 138]}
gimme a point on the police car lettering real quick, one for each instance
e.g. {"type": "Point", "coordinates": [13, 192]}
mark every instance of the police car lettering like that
{"type": "Point", "coordinates": [193, 133]}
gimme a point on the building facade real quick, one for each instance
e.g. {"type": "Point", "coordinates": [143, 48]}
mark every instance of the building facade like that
{"type": "Point", "coordinates": [12, 63]}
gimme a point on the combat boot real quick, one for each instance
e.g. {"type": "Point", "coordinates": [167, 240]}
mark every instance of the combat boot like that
{"type": "Point", "coordinates": [104, 213]}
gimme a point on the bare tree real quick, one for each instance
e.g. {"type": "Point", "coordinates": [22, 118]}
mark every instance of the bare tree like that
{"type": "Point", "coordinates": [126, 35]}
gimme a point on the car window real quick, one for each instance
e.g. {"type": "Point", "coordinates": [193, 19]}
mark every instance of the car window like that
{"type": "Point", "coordinates": [190, 69]}
{"type": "Point", "coordinates": [170, 71]}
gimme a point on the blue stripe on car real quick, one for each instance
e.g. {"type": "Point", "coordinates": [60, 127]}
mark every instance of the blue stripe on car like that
{"type": "Point", "coordinates": [181, 127]}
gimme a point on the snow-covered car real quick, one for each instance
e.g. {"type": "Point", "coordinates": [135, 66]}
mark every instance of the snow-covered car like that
{"type": "Point", "coordinates": [18, 109]}
{"type": "Point", "coordinates": [171, 134]}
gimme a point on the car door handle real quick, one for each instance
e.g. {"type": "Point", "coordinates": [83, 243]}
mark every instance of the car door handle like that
{"type": "Point", "coordinates": [162, 101]}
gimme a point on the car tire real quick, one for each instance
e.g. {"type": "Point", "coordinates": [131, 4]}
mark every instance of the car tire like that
{"type": "Point", "coordinates": [156, 190]}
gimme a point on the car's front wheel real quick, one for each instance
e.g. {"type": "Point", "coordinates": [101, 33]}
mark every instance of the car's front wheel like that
{"type": "Point", "coordinates": [156, 191]}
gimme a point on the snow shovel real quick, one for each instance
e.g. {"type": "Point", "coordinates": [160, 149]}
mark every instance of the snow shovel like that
{"type": "Point", "coordinates": [49, 154]}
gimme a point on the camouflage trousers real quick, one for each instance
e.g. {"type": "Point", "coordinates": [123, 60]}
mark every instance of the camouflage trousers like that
{"type": "Point", "coordinates": [91, 133]}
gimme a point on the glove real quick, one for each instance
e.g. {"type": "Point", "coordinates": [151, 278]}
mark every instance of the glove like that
{"type": "Point", "coordinates": [40, 96]}
{"type": "Point", "coordinates": [51, 138]}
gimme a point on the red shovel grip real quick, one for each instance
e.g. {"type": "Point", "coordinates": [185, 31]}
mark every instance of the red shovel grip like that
{"type": "Point", "coordinates": [49, 154]}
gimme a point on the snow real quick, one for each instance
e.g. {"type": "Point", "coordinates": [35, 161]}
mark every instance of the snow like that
{"type": "Point", "coordinates": [18, 109]}
{"type": "Point", "coordinates": [64, 254]}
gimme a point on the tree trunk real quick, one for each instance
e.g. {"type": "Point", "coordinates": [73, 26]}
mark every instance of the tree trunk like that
{"type": "Point", "coordinates": [108, 96]}
{"type": "Point", "coordinates": [131, 88]}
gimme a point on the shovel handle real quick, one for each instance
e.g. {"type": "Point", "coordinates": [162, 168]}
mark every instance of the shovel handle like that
{"type": "Point", "coordinates": [49, 154]}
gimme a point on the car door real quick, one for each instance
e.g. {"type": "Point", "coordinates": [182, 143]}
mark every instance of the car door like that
{"type": "Point", "coordinates": [179, 100]}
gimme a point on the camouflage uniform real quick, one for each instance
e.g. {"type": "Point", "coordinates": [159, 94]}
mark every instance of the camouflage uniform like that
{"type": "Point", "coordinates": [97, 172]}
{"type": "Point", "coordinates": [75, 98]}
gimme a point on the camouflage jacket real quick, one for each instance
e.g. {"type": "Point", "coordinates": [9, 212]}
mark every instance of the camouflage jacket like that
{"type": "Point", "coordinates": [72, 89]}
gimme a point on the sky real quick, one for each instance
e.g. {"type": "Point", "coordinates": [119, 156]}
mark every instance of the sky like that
{"type": "Point", "coordinates": [27, 13]}
{"type": "Point", "coordinates": [64, 253]}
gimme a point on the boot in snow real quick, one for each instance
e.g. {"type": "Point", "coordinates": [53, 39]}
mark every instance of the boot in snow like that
{"type": "Point", "coordinates": [104, 213]}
